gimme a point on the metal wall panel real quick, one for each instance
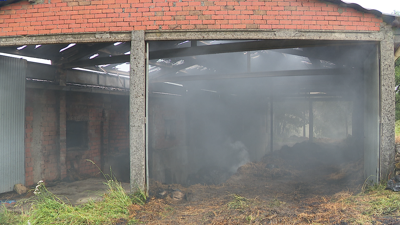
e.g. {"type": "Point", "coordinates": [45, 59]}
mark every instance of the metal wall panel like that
{"type": "Point", "coordinates": [12, 122]}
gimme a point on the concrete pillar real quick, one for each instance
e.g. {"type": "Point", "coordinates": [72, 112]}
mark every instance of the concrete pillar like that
{"type": "Point", "coordinates": [138, 111]}
{"type": "Point", "coordinates": [387, 143]}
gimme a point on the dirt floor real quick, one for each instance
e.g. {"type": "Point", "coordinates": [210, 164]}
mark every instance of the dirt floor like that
{"type": "Point", "coordinates": [289, 186]}
{"type": "Point", "coordinates": [309, 183]}
{"type": "Point", "coordinates": [76, 193]}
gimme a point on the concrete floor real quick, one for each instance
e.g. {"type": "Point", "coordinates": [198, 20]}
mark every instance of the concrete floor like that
{"type": "Point", "coordinates": [80, 192]}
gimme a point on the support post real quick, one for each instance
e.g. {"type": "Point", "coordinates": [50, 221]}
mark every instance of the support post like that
{"type": "Point", "coordinates": [387, 106]}
{"type": "Point", "coordinates": [137, 112]}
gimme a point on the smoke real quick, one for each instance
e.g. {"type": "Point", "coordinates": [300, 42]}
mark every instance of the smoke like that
{"type": "Point", "coordinates": [239, 153]}
{"type": "Point", "coordinates": [225, 110]}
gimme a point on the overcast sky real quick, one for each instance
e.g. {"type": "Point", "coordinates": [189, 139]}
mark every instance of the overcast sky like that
{"type": "Point", "coordinates": [385, 6]}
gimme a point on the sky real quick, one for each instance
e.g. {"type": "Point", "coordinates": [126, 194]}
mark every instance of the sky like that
{"type": "Point", "coordinates": [385, 6]}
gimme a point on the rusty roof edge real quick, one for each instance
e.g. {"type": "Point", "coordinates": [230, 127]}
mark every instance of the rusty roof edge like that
{"type": "Point", "coordinates": [387, 18]}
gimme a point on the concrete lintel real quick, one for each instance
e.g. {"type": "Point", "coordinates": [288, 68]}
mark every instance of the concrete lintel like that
{"type": "Point", "coordinates": [65, 38]}
{"type": "Point", "coordinates": [387, 107]}
{"type": "Point", "coordinates": [138, 111]}
{"type": "Point", "coordinates": [262, 34]}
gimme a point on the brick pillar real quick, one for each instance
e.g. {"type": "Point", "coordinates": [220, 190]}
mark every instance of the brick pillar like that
{"type": "Point", "coordinates": [63, 136]}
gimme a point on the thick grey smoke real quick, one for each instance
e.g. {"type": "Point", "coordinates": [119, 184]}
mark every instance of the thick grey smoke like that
{"type": "Point", "coordinates": [218, 112]}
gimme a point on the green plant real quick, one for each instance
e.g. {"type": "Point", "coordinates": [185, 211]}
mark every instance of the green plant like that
{"type": "Point", "coordinates": [249, 218]}
{"type": "Point", "coordinates": [238, 202]}
{"type": "Point", "coordinates": [9, 218]}
{"type": "Point", "coordinates": [47, 208]}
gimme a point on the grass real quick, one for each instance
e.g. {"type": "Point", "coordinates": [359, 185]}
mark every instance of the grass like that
{"type": "Point", "coordinates": [238, 202]}
{"type": "Point", "coordinates": [49, 209]}
{"type": "Point", "coordinates": [373, 202]}
{"type": "Point", "coordinates": [363, 208]}
{"type": "Point", "coordinates": [380, 202]}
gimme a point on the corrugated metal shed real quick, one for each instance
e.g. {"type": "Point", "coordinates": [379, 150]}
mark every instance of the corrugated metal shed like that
{"type": "Point", "coordinates": [12, 118]}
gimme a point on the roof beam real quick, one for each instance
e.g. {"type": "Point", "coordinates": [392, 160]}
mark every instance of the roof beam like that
{"type": "Point", "coordinates": [75, 53]}
{"type": "Point", "coordinates": [314, 72]}
{"type": "Point", "coordinates": [97, 61]}
{"type": "Point", "coordinates": [244, 46]}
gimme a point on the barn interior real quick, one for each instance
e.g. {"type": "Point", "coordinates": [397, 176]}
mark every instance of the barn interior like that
{"type": "Point", "coordinates": [75, 112]}
{"type": "Point", "coordinates": [287, 117]}
{"type": "Point", "coordinates": [254, 116]}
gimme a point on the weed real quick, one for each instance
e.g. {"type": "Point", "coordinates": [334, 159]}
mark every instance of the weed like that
{"type": "Point", "coordinates": [238, 202]}
{"type": "Point", "coordinates": [7, 217]}
{"type": "Point", "coordinates": [249, 218]}
{"type": "Point", "coordinates": [47, 208]}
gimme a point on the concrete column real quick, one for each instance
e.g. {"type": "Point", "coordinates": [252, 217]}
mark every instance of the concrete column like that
{"type": "Point", "coordinates": [137, 111]}
{"type": "Point", "coordinates": [387, 143]}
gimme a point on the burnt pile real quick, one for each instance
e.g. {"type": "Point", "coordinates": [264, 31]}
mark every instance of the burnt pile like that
{"type": "Point", "coordinates": [293, 173]}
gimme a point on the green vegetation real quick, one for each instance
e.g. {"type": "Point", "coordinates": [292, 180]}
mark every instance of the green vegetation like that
{"type": "Point", "coordinates": [379, 202]}
{"type": "Point", "coordinates": [49, 209]}
{"type": "Point", "coordinates": [238, 202]}
{"type": "Point", "coordinates": [397, 79]}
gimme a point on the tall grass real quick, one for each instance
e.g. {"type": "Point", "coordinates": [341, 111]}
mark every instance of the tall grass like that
{"type": "Point", "coordinates": [49, 209]}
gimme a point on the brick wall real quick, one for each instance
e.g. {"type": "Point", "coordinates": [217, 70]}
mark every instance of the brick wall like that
{"type": "Point", "coordinates": [119, 124]}
{"type": "Point", "coordinates": [47, 143]}
{"type": "Point", "coordinates": [88, 108]}
{"type": "Point", "coordinates": [28, 141]}
{"type": "Point", "coordinates": [73, 16]}
{"type": "Point", "coordinates": [47, 111]}
{"type": "Point", "coordinates": [50, 136]}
